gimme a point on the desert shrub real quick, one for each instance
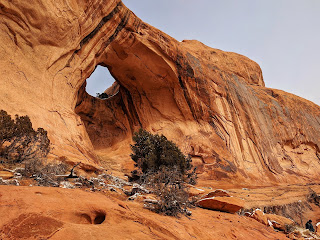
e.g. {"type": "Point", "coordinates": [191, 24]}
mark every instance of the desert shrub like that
{"type": "Point", "coordinates": [150, 152]}
{"type": "Point", "coordinates": [19, 141]}
{"type": "Point", "coordinates": [32, 167]}
{"type": "Point", "coordinates": [165, 170]}
{"type": "Point", "coordinates": [290, 228]}
{"type": "Point", "coordinates": [313, 197]}
{"type": "Point", "coordinates": [44, 174]}
{"type": "Point", "coordinates": [102, 95]}
{"type": "Point", "coordinates": [167, 184]}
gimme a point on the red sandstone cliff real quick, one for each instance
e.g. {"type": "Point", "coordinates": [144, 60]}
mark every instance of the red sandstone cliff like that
{"type": "Point", "coordinates": [214, 104]}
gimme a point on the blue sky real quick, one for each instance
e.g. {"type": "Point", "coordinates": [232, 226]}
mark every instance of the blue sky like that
{"type": "Point", "coordinates": [282, 36]}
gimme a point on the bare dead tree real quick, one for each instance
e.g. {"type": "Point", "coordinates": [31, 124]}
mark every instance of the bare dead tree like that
{"type": "Point", "coordinates": [71, 175]}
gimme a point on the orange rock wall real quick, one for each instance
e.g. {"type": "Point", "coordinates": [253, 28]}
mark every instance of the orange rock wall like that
{"type": "Point", "coordinates": [213, 104]}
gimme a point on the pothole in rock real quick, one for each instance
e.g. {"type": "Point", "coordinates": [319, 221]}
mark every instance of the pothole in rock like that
{"type": "Point", "coordinates": [97, 217]}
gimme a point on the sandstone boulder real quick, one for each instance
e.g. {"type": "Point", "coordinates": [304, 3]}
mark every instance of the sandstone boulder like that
{"type": "Point", "coordinates": [127, 190]}
{"type": "Point", "coordinates": [317, 228]}
{"type": "Point", "coordinates": [276, 221]}
{"type": "Point", "coordinates": [148, 198]}
{"type": "Point", "coordinates": [295, 235]}
{"type": "Point", "coordinates": [6, 175]}
{"type": "Point", "coordinates": [217, 193]}
{"type": "Point", "coordinates": [224, 204]}
{"type": "Point", "coordinates": [279, 222]}
{"type": "Point", "coordinates": [260, 216]}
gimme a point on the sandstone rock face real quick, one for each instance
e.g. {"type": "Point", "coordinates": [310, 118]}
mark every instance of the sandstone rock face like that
{"type": "Point", "coordinates": [225, 204]}
{"type": "Point", "coordinates": [213, 104]}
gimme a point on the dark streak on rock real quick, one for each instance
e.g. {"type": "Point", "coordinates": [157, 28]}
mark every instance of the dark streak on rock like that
{"type": "Point", "coordinates": [189, 73]}
{"type": "Point", "coordinates": [187, 97]}
{"type": "Point", "coordinates": [104, 20]}
{"type": "Point", "coordinates": [121, 25]}
{"type": "Point", "coordinates": [100, 25]}
{"type": "Point", "coordinates": [129, 110]}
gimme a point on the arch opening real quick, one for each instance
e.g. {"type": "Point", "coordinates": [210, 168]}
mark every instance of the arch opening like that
{"type": "Point", "coordinates": [102, 107]}
{"type": "Point", "coordinates": [99, 82]}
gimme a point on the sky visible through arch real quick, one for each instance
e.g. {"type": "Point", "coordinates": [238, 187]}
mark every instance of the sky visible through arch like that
{"type": "Point", "coordinates": [282, 36]}
{"type": "Point", "coordinates": [99, 81]}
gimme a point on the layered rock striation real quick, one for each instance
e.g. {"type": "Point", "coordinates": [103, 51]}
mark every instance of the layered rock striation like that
{"type": "Point", "coordinates": [213, 104]}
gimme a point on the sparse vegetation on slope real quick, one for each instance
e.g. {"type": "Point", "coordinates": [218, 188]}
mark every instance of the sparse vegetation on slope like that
{"type": "Point", "coordinates": [26, 150]}
{"type": "Point", "coordinates": [164, 169]}
{"type": "Point", "coordinates": [19, 141]}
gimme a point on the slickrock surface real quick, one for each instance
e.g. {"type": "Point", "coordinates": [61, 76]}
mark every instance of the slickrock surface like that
{"type": "Point", "coordinates": [213, 104]}
{"type": "Point", "coordinates": [285, 200]}
{"type": "Point", "coordinates": [55, 213]}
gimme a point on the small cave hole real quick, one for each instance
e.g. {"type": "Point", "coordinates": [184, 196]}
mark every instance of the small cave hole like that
{"type": "Point", "coordinates": [99, 81]}
{"type": "Point", "coordinates": [100, 217]}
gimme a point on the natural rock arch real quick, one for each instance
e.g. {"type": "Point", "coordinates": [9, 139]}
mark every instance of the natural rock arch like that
{"type": "Point", "coordinates": [212, 103]}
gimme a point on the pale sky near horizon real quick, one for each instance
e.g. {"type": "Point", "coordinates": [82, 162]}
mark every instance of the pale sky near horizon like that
{"type": "Point", "coordinates": [282, 36]}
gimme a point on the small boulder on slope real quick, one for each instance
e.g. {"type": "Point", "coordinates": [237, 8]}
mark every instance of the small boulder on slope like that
{"type": "Point", "coordinates": [217, 193]}
{"type": "Point", "coordinates": [224, 204]}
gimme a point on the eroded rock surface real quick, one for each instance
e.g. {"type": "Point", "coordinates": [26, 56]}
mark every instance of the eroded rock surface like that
{"type": "Point", "coordinates": [55, 213]}
{"type": "Point", "coordinates": [213, 104]}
